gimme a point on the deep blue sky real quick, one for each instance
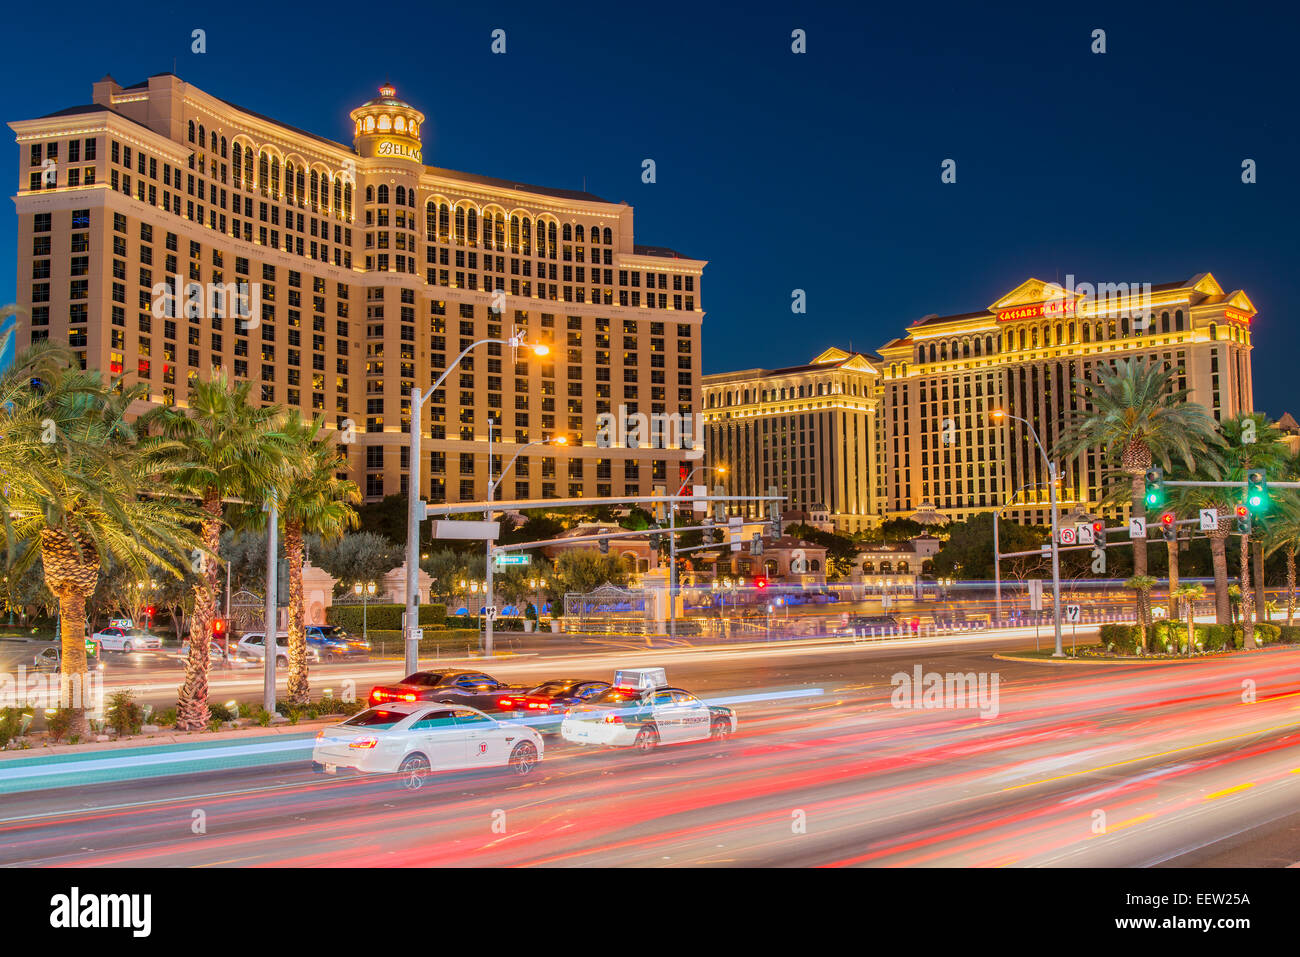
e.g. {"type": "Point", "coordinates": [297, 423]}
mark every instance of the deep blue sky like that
{"type": "Point", "coordinates": [818, 171]}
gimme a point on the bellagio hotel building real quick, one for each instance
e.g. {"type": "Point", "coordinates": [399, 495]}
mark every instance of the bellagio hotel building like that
{"type": "Point", "coordinates": [931, 393]}
{"type": "Point", "coordinates": [375, 271]}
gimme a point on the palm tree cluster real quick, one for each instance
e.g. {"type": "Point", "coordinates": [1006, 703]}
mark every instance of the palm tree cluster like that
{"type": "Point", "coordinates": [1136, 417]}
{"type": "Point", "coordinates": [90, 483]}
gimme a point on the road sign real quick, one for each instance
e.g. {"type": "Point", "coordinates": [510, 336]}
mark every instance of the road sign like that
{"type": "Point", "coordinates": [490, 612]}
{"type": "Point", "coordinates": [698, 504]}
{"type": "Point", "coordinates": [1085, 534]}
{"type": "Point", "coordinates": [1072, 613]}
{"type": "Point", "coordinates": [510, 558]}
{"type": "Point", "coordinates": [478, 531]}
{"type": "Point", "coordinates": [735, 528]}
{"type": "Point", "coordinates": [1068, 535]}
{"type": "Point", "coordinates": [1035, 594]}
{"type": "Point", "coordinates": [1137, 528]}
{"type": "Point", "coordinates": [418, 634]}
{"type": "Point", "coordinates": [1209, 519]}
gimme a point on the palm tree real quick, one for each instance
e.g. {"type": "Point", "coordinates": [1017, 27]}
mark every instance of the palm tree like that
{"type": "Point", "coordinates": [80, 491]}
{"type": "Point", "coordinates": [1283, 533]}
{"type": "Point", "coordinates": [1250, 442]}
{"type": "Point", "coordinates": [312, 499]}
{"type": "Point", "coordinates": [1190, 594]}
{"type": "Point", "coordinates": [1136, 417]}
{"type": "Point", "coordinates": [229, 449]}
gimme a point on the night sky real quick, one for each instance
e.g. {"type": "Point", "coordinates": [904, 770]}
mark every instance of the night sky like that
{"type": "Point", "coordinates": [818, 171]}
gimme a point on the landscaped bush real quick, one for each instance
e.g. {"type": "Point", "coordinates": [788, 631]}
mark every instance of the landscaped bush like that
{"type": "Point", "coordinates": [1289, 634]}
{"type": "Point", "coordinates": [219, 712]}
{"type": "Point", "coordinates": [59, 724]}
{"type": "Point", "coordinates": [166, 718]}
{"type": "Point", "coordinates": [11, 724]}
{"type": "Point", "coordinates": [1124, 638]}
{"type": "Point", "coordinates": [1267, 634]}
{"type": "Point", "coordinates": [125, 716]}
{"type": "Point", "coordinates": [381, 617]}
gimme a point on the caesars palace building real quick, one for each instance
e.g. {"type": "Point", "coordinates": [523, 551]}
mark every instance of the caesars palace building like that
{"type": "Point", "coordinates": [870, 437]}
{"type": "Point", "coordinates": [363, 272]}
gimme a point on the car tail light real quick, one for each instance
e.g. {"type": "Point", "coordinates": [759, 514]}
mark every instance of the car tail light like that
{"type": "Point", "coordinates": [613, 719]}
{"type": "Point", "coordinates": [320, 734]}
{"type": "Point", "coordinates": [365, 744]}
{"type": "Point", "coordinates": [506, 704]}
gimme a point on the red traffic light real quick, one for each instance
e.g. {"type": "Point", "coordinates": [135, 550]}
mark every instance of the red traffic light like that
{"type": "Point", "coordinates": [219, 626]}
{"type": "Point", "coordinates": [760, 582]}
{"type": "Point", "coordinates": [1167, 518]}
{"type": "Point", "coordinates": [151, 611]}
{"type": "Point", "coordinates": [1098, 528]}
{"type": "Point", "coordinates": [1242, 511]}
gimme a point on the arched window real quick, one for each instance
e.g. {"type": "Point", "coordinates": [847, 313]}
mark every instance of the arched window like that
{"type": "Point", "coordinates": [1178, 321]}
{"type": "Point", "coordinates": [550, 240]}
{"type": "Point", "coordinates": [431, 220]}
{"type": "Point", "coordinates": [223, 147]}
{"type": "Point", "coordinates": [472, 225]}
{"type": "Point", "coordinates": [528, 236]}
{"type": "Point", "coordinates": [609, 237]}
{"type": "Point", "coordinates": [338, 195]}
{"type": "Point", "coordinates": [401, 196]}
{"type": "Point", "coordinates": [578, 233]}
{"type": "Point", "coordinates": [203, 137]}
{"type": "Point", "coordinates": [1033, 338]}
{"type": "Point", "coordinates": [315, 190]}
{"type": "Point", "coordinates": [288, 181]}
{"type": "Point", "coordinates": [568, 232]}
{"type": "Point", "coordinates": [212, 141]}
{"type": "Point", "coordinates": [324, 192]}
{"type": "Point", "coordinates": [410, 198]}
{"type": "Point", "coordinates": [460, 224]}
{"type": "Point", "coordinates": [370, 194]}
{"type": "Point", "coordinates": [1123, 326]}
{"type": "Point", "coordinates": [514, 234]}
{"type": "Point", "coordinates": [1087, 332]}
{"type": "Point", "coordinates": [1060, 333]}
{"type": "Point", "coordinates": [238, 167]}
{"type": "Point", "coordinates": [1164, 322]}
{"type": "Point", "coordinates": [444, 222]}
{"type": "Point", "coordinates": [1214, 330]}
{"type": "Point", "coordinates": [965, 348]}
{"type": "Point", "coordinates": [381, 194]}
{"type": "Point", "coordinates": [943, 350]}
{"type": "Point", "coordinates": [1110, 329]}
{"type": "Point", "coordinates": [347, 201]}
{"type": "Point", "coordinates": [191, 131]}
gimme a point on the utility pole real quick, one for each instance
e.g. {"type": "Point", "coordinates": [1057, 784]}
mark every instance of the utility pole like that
{"type": "Point", "coordinates": [270, 641]}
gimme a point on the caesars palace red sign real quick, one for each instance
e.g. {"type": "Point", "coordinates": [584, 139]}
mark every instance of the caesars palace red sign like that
{"type": "Point", "coordinates": [1049, 310]}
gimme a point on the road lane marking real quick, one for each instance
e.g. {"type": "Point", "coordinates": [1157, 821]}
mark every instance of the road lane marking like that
{"type": "Point", "coordinates": [1232, 790]}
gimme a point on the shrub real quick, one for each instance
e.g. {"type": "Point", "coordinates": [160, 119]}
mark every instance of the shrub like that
{"type": "Point", "coordinates": [381, 617]}
{"type": "Point", "coordinates": [1289, 634]}
{"type": "Point", "coordinates": [1124, 638]}
{"type": "Point", "coordinates": [11, 725]}
{"type": "Point", "coordinates": [219, 712]}
{"type": "Point", "coordinates": [59, 724]}
{"type": "Point", "coordinates": [1267, 634]}
{"type": "Point", "coordinates": [125, 716]}
{"type": "Point", "coordinates": [166, 718]}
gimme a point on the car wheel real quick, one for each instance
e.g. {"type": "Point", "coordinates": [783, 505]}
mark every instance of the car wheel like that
{"type": "Point", "coordinates": [413, 771]}
{"type": "Point", "coordinates": [647, 739]}
{"type": "Point", "coordinates": [523, 757]}
{"type": "Point", "coordinates": [720, 731]}
{"type": "Point", "coordinates": [128, 647]}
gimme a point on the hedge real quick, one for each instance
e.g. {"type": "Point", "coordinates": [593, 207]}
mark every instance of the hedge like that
{"type": "Point", "coordinates": [1209, 637]}
{"type": "Point", "coordinates": [443, 640]}
{"type": "Point", "coordinates": [381, 617]}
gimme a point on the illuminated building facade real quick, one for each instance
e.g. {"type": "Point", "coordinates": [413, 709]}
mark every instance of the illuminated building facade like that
{"type": "Point", "coordinates": [364, 272]}
{"type": "Point", "coordinates": [809, 430]}
{"type": "Point", "coordinates": [1023, 354]}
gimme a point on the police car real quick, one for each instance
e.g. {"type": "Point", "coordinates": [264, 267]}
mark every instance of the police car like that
{"type": "Point", "coordinates": [412, 739]}
{"type": "Point", "coordinates": [641, 711]}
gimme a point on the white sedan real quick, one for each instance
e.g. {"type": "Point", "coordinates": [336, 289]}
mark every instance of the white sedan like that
{"type": "Point", "coordinates": [412, 739]}
{"type": "Point", "coordinates": [117, 638]}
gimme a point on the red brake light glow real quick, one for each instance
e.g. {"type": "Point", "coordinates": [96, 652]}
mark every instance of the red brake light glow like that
{"type": "Point", "coordinates": [365, 744]}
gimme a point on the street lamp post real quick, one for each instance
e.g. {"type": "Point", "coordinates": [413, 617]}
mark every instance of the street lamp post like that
{"type": "Point", "coordinates": [364, 591]}
{"type": "Point", "coordinates": [492, 487]}
{"type": "Point", "coordinates": [415, 505]}
{"type": "Point", "coordinates": [1052, 477]}
{"type": "Point", "coordinates": [672, 549]}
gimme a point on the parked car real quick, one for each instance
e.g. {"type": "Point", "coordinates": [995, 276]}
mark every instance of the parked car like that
{"type": "Point", "coordinates": [253, 647]}
{"type": "Point", "coordinates": [471, 688]}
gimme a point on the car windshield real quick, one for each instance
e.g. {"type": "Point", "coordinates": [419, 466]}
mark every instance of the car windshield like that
{"type": "Point", "coordinates": [553, 688]}
{"type": "Point", "coordinates": [617, 696]}
{"type": "Point", "coordinates": [375, 718]}
{"type": "Point", "coordinates": [426, 679]}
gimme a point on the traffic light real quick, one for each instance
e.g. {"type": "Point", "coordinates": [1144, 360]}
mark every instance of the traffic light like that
{"type": "Point", "coordinates": [1257, 499]}
{"type": "Point", "coordinates": [774, 512]}
{"type": "Point", "coordinates": [220, 627]}
{"type": "Point", "coordinates": [756, 544]}
{"type": "Point", "coordinates": [1167, 525]}
{"type": "Point", "coordinates": [719, 508]}
{"type": "Point", "coordinates": [1099, 534]}
{"type": "Point", "coordinates": [655, 537]}
{"type": "Point", "coordinates": [1243, 520]}
{"type": "Point", "coordinates": [760, 582]}
{"type": "Point", "coordinates": [1155, 487]}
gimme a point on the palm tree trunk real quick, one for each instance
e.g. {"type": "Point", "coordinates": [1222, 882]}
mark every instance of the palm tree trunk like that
{"type": "Point", "coordinates": [1219, 555]}
{"type": "Point", "coordinates": [1290, 586]}
{"type": "Point", "coordinates": [192, 696]}
{"type": "Point", "coordinates": [71, 573]}
{"type": "Point", "coordinates": [1138, 509]}
{"type": "Point", "coordinates": [299, 689]}
{"type": "Point", "coordinates": [1261, 600]}
{"type": "Point", "coordinates": [1247, 596]}
{"type": "Point", "coordinates": [1172, 550]}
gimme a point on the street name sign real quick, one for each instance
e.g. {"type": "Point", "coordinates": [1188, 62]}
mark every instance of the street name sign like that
{"type": "Point", "coordinates": [511, 558]}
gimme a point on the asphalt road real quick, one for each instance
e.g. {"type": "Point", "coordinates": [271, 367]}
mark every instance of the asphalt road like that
{"type": "Point", "coordinates": [1080, 766]}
